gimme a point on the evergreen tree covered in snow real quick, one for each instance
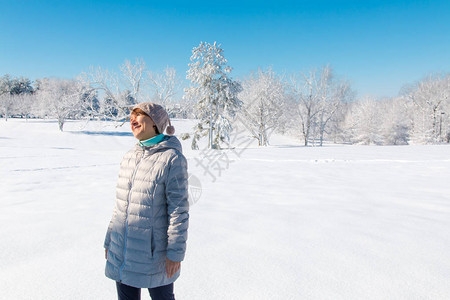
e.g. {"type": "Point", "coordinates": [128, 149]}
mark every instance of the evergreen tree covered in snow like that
{"type": "Point", "coordinates": [14, 93]}
{"type": "Point", "coordinates": [215, 93]}
{"type": "Point", "coordinates": [15, 86]}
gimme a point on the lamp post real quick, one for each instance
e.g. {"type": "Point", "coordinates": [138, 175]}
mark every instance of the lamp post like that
{"type": "Point", "coordinates": [440, 126]}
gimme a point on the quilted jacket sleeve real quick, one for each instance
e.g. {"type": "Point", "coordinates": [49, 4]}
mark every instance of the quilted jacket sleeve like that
{"type": "Point", "coordinates": [177, 207]}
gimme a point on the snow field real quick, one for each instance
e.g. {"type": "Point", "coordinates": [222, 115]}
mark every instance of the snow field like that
{"type": "Point", "coordinates": [281, 222]}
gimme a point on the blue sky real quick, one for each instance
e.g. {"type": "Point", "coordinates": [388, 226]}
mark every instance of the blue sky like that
{"type": "Point", "coordinates": [377, 45]}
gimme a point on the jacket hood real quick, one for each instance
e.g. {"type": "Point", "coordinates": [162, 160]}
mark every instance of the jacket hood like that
{"type": "Point", "coordinates": [169, 142]}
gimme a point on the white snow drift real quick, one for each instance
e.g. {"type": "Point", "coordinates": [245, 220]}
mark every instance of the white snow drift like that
{"type": "Point", "coordinates": [281, 222]}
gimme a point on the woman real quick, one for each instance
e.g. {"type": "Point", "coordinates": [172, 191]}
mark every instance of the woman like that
{"type": "Point", "coordinates": [146, 238]}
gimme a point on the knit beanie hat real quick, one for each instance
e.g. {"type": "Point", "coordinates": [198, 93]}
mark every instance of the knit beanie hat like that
{"type": "Point", "coordinates": [158, 115]}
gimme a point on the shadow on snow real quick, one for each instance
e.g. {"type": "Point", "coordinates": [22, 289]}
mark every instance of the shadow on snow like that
{"type": "Point", "coordinates": [107, 133]}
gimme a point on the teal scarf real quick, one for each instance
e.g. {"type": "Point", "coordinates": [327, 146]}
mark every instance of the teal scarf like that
{"type": "Point", "coordinates": [152, 141]}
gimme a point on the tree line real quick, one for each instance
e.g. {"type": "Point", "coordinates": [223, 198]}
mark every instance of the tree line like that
{"type": "Point", "coordinates": [315, 106]}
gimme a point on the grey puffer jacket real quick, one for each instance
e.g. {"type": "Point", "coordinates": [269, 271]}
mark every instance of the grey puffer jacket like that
{"type": "Point", "coordinates": [150, 218]}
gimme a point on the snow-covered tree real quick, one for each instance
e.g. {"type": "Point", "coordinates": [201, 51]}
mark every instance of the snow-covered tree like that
{"type": "Point", "coordinates": [363, 122]}
{"type": "Point", "coordinates": [89, 102]}
{"type": "Point", "coordinates": [15, 86]}
{"type": "Point", "coordinates": [395, 127]}
{"type": "Point", "coordinates": [5, 84]}
{"type": "Point", "coordinates": [319, 95]}
{"type": "Point", "coordinates": [108, 86]}
{"type": "Point", "coordinates": [163, 85]}
{"type": "Point", "coordinates": [215, 92]}
{"type": "Point", "coordinates": [263, 96]}
{"type": "Point", "coordinates": [336, 126]}
{"type": "Point", "coordinates": [14, 92]}
{"type": "Point", "coordinates": [307, 99]}
{"type": "Point", "coordinates": [24, 105]}
{"type": "Point", "coordinates": [60, 98]}
{"type": "Point", "coordinates": [132, 78]}
{"type": "Point", "coordinates": [118, 92]}
{"type": "Point", "coordinates": [333, 96]}
{"type": "Point", "coordinates": [431, 98]}
{"type": "Point", "coordinates": [6, 105]}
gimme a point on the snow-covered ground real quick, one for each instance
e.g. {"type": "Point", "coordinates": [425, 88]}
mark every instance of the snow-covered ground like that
{"type": "Point", "coordinates": [282, 222]}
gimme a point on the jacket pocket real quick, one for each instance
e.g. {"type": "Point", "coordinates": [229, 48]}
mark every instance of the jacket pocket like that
{"type": "Point", "coordinates": [152, 243]}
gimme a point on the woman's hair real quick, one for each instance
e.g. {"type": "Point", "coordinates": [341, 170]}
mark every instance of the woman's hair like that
{"type": "Point", "coordinates": [138, 111]}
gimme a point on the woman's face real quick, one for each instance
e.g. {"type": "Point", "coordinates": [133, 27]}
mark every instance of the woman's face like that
{"type": "Point", "coordinates": [142, 125]}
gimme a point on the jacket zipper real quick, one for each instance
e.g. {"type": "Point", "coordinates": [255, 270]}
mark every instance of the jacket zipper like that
{"type": "Point", "coordinates": [126, 219]}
